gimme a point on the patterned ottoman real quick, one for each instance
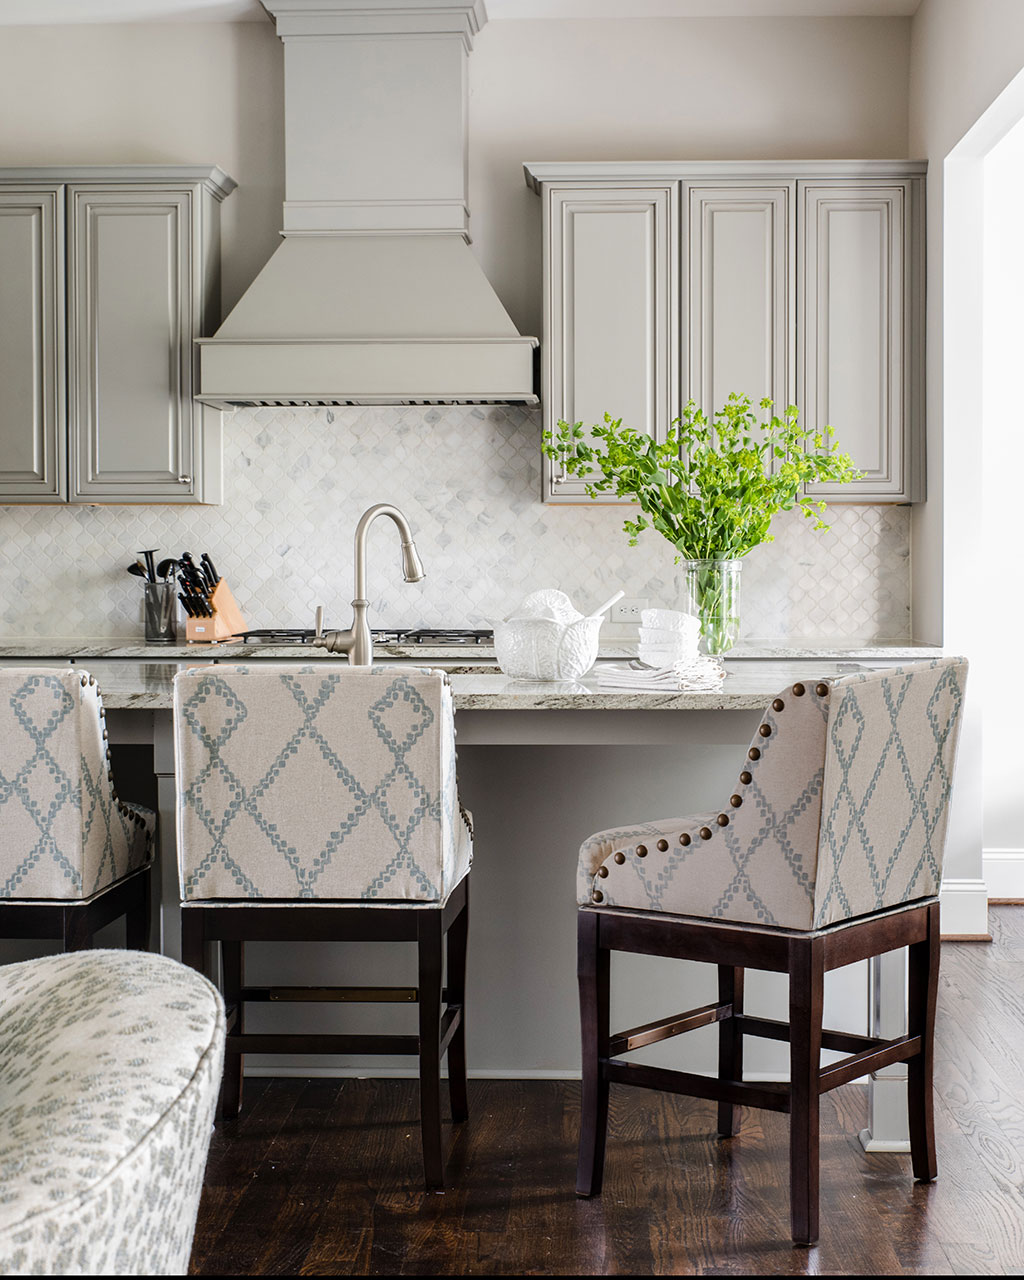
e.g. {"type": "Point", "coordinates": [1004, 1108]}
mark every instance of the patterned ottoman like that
{"type": "Point", "coordinates": [110, 1063]}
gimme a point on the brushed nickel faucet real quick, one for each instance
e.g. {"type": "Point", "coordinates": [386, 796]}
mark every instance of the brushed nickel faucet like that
{"type": "Point", "coordinates": [357, 641]}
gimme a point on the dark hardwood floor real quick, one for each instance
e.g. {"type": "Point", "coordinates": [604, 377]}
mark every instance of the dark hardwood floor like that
{"type": "Point", "coordinates": [322, 1177]}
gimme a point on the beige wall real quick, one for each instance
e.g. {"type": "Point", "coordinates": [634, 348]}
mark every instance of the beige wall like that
{"type": "Point", "coordinates": [637, 89]}
{"type": "Point", "coordinates": [182, 93]}
{"type": "Point", "coordinates": [666, 89]}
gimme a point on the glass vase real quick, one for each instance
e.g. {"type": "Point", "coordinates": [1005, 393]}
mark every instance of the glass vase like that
{"type": "Point", "coordinates": [713, 597]}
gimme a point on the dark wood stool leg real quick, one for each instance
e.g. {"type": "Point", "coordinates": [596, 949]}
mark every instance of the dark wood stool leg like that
{"type": "Point", "coordinates": [233, 966]}
{"type": "Point", "coordinates": [593, 970]}
{"type": "Point", "coordinates": [429, 945]}
{"type": "Point", "coordinates": [730, 1042]}
{"type": "Point", "coordinates": [923, 987]}
{"type": "Point", "coordinates": [457, 939]}
{"type": "Point", "coordinates": [137, 917]}
{"type": "Point", "coordinates": [77, 929]}
{"type": "Point", "coordinates": [806, 992]}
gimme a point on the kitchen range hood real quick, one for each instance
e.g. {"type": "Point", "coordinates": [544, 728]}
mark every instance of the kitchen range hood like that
{"type": "Point", "coordinates": [374, 296]}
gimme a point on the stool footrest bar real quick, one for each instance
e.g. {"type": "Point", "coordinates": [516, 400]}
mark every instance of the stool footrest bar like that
{"type": "Point", "coordinates": [769, 1097]}
{"type": "Point", "coordinates": [666, 1028]}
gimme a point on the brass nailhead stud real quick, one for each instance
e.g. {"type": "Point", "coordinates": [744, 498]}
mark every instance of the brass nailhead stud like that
{"type": "Point", "coordinates": [735, 801]}
{"type": "Point", "coordinates": [722, 819]}
{"type": "Point", "coordinates": [602, 872]}
{"type": "Point", "coordinates": [778, 705]}
{"type": "Point", "coordinates": [620, 858]}
{"type": "Point", "coordinates": [753, 754]}
{"type": "Point", "coordinates": [746, 777]}
{"type": "Point", "coordinates": [798, 691]}
{"type": "Point", "coordinates": [662, 846]}
{"type": "Point", "coordinates": [821, 690]}
{"type": "Point", "coordinates": [765, 731]}
{"type": "Point", "coordinates": [684, 839]}
{"type": "Point", "coordinates": [705, 833]}
{"type": "Point", "coordinates": [641, 851]}
{"type": "Point", "coordinates": [597, 895]}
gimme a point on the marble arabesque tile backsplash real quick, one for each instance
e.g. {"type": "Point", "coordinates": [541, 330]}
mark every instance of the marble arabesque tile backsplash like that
{"type": "Point", "coordinates": [468, 478]}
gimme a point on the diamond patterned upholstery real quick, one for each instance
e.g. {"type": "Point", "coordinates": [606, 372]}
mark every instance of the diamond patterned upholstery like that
{"type": "Point", "coordinates": [840, 810]}
{"type": "Point", "coordinates": [317, 782]}
{"type": "Point", "coordinates": [65, 833]}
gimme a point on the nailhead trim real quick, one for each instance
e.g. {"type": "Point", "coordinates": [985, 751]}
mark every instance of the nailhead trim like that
{"type": "Point", "coordinates": [778, 705]}
{"type": "Point", "coordinates": [684, 839]}
{"type": "Point", "coordinates": [746, 777]}
{"type": "Point", "coordinates": [705, 833]}
{"type": "Point", "coordinates": [722, 819]}
{"type": "Point", "coordinates": [641, 851]}
{"type": "Point", "coordinates": [735, 801]}
{"type": "Point", "coordinates": [753, 754]}
{"type": "Point", "coordinates": [620, 858]}
{"type": "Point", "coordinates": [821, 690]}
{"type": "Point", "coordinates": [799, 690]}
{"type": "Point", "coordinates": [662, 846]}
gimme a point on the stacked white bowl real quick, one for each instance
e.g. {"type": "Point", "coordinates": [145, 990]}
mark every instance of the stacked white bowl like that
{"type": "Point", "coordinates": [667, 638]}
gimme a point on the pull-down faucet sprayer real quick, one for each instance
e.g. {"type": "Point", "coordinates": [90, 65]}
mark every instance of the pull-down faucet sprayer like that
{"type": "Point", "coordinates": [357, 641]}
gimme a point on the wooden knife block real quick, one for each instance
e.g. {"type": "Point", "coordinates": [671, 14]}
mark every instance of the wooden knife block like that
{"type": "Point", "coordinates": [227, 619]}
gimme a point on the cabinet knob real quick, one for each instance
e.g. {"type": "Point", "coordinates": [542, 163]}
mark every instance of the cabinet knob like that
{"type": "Point", "coordinates": [184, 479]}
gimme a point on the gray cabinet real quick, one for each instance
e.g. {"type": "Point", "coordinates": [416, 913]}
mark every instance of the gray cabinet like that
{"type": "Point", "coordinates": [860, 327]}
{"type": "Point", "coordinates": [116, 273]}
{"type": "Point", "coordinates": [612, 295]}
{"type": "Point", "coordinates": [33, 458]}
{"type": "Point", "coordinates": [802, 282]}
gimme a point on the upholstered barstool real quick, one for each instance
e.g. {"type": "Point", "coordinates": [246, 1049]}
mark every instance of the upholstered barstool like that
{"type": "Point", "coordinates": [827, 851]}
{"type": "Point", "coordinates": [73, 856]}
{"type": "Point", "coordinates": [319, 803]}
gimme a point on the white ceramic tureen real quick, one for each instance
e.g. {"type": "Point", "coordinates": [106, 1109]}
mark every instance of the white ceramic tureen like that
{"type": "Point", "coordinates": [546, 638]}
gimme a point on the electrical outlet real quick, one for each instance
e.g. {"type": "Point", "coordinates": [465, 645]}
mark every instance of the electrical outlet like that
{"type": "Point", "coordinates": [628, 610]}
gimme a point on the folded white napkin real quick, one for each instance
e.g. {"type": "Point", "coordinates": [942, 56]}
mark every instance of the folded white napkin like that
{"type": "Point", "coordinates": [697, 674]}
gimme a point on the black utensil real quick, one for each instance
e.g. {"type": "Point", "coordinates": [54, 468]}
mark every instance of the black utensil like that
{"type": "Point", "coordinates": [210, 568]}
{"type": "Point", "coordinates": [138, 569]}
{"type": "Point", "coordinates": [165, 568]}
{"type": "Point", "coordinates": [149, 557]}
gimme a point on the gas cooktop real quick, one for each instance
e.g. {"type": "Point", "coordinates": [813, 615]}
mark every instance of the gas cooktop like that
{"type": "Point", "coordinates": [387, 635]}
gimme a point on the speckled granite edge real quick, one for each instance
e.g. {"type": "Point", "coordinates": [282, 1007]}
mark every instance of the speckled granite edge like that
{"type": "Point", "coordinates": [130, 648]}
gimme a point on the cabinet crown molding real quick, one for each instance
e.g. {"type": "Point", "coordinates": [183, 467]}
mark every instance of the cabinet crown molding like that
{"type": "Point", "coordinates": [541, 171]}
{"type": "Point", "coordinates": [211, 176]}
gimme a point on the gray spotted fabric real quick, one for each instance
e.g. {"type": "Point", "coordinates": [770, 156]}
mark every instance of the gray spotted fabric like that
{"type": "Point", "coordinates": [840, 810]}
{"type": "Point", "coordinates": [110, 1064]}
{"type": "Point", "coordinates": [65, 833]}
{"type": "Point", "coordinates": [317, 782]}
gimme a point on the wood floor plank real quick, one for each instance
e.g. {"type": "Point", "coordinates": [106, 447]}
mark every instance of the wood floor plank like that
{"type": "Point", "coordinates": [324, 1177]}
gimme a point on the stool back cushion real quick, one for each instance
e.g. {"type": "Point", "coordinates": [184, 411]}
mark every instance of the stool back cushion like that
{"type": "Point", "coordinates": [889, 760]}
{"type": "Point", "coordinates": [317, 782]}
{"type": "Point", "coordinates": [839, 810]}
{"type": "Point", "coordinates": [63, 832]}
{"type": "Point", "coordinates": [110, 1063]}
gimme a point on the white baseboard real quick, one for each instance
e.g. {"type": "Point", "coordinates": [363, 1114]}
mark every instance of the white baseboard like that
{"type": "Point", "coordinates": [964, 907]}
{"type": "Point", "coordinates": [1004, 872]}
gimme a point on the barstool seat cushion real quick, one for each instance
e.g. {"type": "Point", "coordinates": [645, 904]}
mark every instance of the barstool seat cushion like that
{"type": "Point", "coordinates": [832, 764]}
{"type": "Point", "coordinates": [64, 834]}
{"type": "Point", "coordinates": [320, 782]}
{"type": "Point", "coordinates": [110, 1062]}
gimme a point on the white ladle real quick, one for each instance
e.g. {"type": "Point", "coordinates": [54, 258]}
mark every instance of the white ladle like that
{"type": "Point", "coordinates": [607, 604]}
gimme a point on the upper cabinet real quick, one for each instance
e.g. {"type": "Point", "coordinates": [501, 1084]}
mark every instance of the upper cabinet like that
{"type": "Point", "coordinates": [110, 274]}
{"type": "Point", "coordinates": [801, 282]}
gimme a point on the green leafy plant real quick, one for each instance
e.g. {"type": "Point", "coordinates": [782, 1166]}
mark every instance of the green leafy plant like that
{"type": "Point", "coordinates": [711, 488]}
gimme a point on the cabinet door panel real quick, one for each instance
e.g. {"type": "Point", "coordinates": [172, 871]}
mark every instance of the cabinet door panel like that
{"type": "Point", "coordinates": [741, 282]}
{"type": "Point", "coordinates": [856, 308]}
{"type": "Point", "coordinates": [130, 364]}
{"type": "Point", "coordinates": [612, 301]}
{"type": "Point", "coordinates": [32, 454]}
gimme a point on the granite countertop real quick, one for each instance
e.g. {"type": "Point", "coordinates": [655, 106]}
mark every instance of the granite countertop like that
{"type": "Point", "coordinates": [133, 648]}
{"type": "Point", "coordinates": [748, 686]}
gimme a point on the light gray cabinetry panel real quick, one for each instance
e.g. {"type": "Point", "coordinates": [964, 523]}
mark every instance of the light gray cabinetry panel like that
{"type": "Point", "coordinates": [611, 306]}
{"type": "Point", "coordinates": [859, 324]}
{"type": "Point", "coordinates": [130, 362]}
{"type": "Point", "coordinates": [801, 280]}
{"type": "Point", "coordinates": [97, 330]}
{"type": "Point", "coordinates": [741, 291]}
{"type": "Point", "coordinates": [32, 454]}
